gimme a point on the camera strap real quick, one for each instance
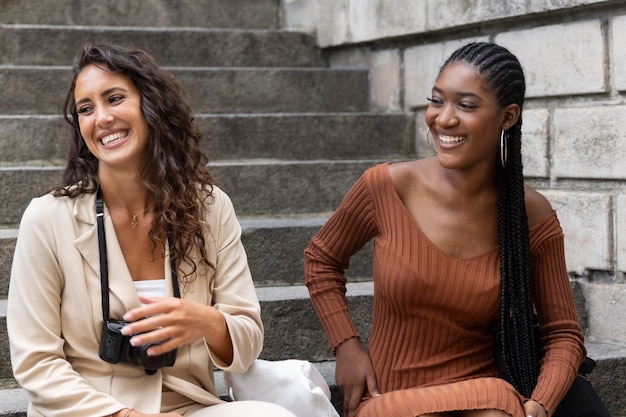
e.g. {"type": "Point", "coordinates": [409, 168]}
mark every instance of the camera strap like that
{"type": "Point", "coordinates": [104, 266]}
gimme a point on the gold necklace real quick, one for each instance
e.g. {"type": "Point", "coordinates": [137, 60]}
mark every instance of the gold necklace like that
{"type": "Point", "coordinates": [133, 223]}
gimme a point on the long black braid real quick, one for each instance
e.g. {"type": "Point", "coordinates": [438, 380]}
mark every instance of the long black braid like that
{"type": "Point", "coordinates": [503, 73]}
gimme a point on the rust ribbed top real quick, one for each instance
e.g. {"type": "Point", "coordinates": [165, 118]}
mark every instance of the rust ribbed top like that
{"type": "Point", "coordinates": [430, 342]}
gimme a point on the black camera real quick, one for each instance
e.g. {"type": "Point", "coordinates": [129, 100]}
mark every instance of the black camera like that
{"type": "Point", "coordinates": [115, 347]}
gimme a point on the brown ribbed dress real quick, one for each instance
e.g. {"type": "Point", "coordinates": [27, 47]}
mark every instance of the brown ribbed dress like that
{"type": "Point", "coordinates": [430, 343]}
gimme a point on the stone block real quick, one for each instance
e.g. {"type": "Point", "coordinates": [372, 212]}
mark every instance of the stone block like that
{"type": "Point", "coordinates": [620, 232]}
{"type": "Point", "coordinates": [385, 80]}
{"type": "Point", "coordinates": [606, 311]}
{"type": "Point", "coordinates": [539, 6]}
{"type": "Point", "coordinates": [327, 18]}
{"type": "Point", "coordinates": [443, 14]}
{"type": "Point", "coordinates": [617, 51]}
{"type": "Point", "coordinates": [589, 143]}
{"type": "Point", "coordinates": [373, 19]}
{"type": "Point", "coordinates": [561, 59]}
{"type": "Point", "coordinates": [349, 58]}
{"type": "Point", "coordinates": [586, 221]}
{"type": "Point", "coordinates": [421, 67]}
{"type": "Point", "coordinates": [301, 15]}
{"type": "Point", "coordinates": [535, 143]}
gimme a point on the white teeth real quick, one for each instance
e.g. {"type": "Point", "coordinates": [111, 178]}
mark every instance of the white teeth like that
{"type": "Point", "coordinates": [114, 137]}
{"type": "Point", "coordinates": [451, 139]}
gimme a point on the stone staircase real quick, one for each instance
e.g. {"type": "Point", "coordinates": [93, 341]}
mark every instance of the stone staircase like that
{"type": "Point", "coordinates": [286, 135]}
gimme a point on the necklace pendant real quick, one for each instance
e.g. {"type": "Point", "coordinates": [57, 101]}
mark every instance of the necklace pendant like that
{"type": "Point", "coordinates": [133, 223]}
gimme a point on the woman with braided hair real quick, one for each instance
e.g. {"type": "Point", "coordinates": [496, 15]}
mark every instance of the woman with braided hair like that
{"type": "Point", "coordinates": [462, 246]}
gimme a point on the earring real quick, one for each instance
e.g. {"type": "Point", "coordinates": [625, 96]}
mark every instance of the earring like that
{"type": "Point", "coordinates": [504, 152]}
{"type": "Point", "coordinates": [432, 147]}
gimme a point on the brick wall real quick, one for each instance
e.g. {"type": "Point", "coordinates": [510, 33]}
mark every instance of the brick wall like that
{"type": "Point", "coordinates": [574, 56]}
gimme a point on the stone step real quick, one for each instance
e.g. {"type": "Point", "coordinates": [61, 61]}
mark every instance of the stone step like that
{"type": "Point", "coordinates": [259, 14]}
{"type": "Point", "coordinates": [293, 331]}
{"type": "Point", "coordinates": [57, 45]}
{"type": "Point", "coordinates": [261, 187]}
{"type": "Point", "coordinates": [275, 249]}
{"type": "Point", "coordinates": [279, 263]}
{"type": "Point", "coordinates": [32, 90]}
{"type": "Point", "coordinates": [39, 140]}
{"type": "Point", "coordinates": [14, 401]}
{"type": "Point", "coordinates": [292, 328]}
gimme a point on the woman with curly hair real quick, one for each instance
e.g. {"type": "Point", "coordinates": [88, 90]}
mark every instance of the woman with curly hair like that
{"type": "Point", "coordinates": [130, 282]}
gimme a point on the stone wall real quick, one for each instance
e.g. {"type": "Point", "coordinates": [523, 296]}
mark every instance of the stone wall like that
{"type": "Point", "coordinates": [574, 56]}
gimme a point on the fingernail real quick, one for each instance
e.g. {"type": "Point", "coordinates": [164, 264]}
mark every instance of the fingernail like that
{"type": "Point", "coordinates": [134, 341]}
{"type": "Point", "coordinates": [126, 331]}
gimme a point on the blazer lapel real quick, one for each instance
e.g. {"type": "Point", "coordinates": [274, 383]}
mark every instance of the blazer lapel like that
{"type": "Point", "coordinates": [86, 241]}
{"type": "Point", "coordinates": [122, 293]}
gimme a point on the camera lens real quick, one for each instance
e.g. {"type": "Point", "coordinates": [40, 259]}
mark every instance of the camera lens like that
{"type": "Point", "coordinates": [140, 357]}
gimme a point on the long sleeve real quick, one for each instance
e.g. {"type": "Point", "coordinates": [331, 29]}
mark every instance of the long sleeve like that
{"type": "Point", "coordinates": [561, 336]}
{"type": "Point", "coordinates": [35, 318]}
{"type": "Point", "coordinates": [327, 258]}
{"type": "Point", "coordinates": [233, 289]}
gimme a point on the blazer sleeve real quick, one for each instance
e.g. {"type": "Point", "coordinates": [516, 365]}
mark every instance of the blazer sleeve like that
{"type": "Point", "coordinates": [34, 320]}
{"type": "Point", "coordinates": [233, 289]}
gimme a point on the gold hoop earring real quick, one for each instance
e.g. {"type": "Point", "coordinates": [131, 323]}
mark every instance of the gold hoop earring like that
{"type": "Point", "coordinates": [504, 152]}
{"type": "Point", "coordinates": [432, 147]}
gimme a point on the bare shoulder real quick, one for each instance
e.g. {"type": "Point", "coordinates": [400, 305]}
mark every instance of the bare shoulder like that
{"type": "Point", "coordinates": [405, 175]}
{"type": "Point", "coordinates": [537, 206]}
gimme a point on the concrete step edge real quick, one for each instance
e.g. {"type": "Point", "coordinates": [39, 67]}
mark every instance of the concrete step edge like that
{"type": "Point", "coordinates": [219, 47]}
{"type": "Point", "coordinates": [14, 401]}
{"type": "Point", "coordinates": [104, 28]}
{"type": "Point", "coordinates": [296, 292]}
{"type": "Point", "coordinates": [209, 13]}
{"type": "Point", "coordinates": [247, 162]}
{"type": "Point", "coordinates": [246, 222]}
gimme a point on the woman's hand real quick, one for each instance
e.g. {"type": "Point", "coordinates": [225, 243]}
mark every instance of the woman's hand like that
{"type": "Point", "coordinates": [534, 409]}
{"type": "Point", "coordinates": [354, 373]}
{"type": "Point", "coordinates": [175, 322]}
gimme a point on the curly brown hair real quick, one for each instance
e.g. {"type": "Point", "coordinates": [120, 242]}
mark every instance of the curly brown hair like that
{"type": "Point", "coordinates": [175, 172]}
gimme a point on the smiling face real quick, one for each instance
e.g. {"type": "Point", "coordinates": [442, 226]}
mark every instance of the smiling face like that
{"type": "Point", "coordinates": [465, 119]}
{"type": "Point", "coordinates": [110, 118]}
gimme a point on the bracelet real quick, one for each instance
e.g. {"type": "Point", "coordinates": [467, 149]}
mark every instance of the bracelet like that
{"type": "Point", "coordinates": [130, 410]}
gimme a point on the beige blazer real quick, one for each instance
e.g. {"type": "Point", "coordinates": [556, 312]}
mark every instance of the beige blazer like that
{"type": "Point", "coordinates": [54, 315]}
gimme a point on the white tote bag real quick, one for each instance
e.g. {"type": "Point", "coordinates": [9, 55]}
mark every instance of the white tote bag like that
{"type": "Point", "coordinates": [295, 384]}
